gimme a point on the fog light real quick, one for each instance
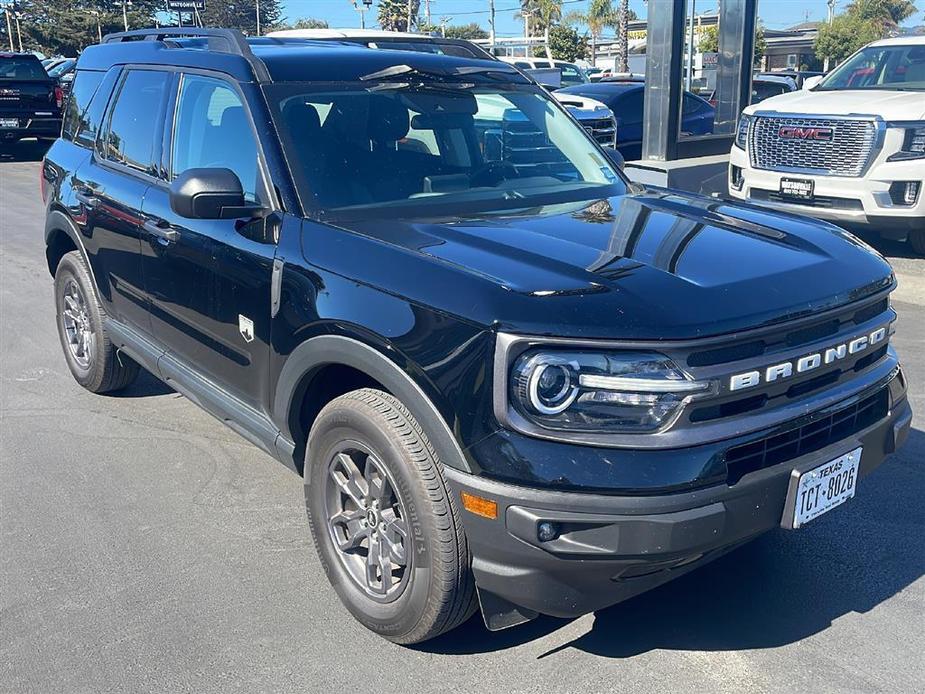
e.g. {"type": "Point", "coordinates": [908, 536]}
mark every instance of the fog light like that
{"type": "Point", "coordinates": [547, 531]}
{"type": "Point", "coordinates": [736, 177]}
{"type": "Point", "coordinates": [905, 192]}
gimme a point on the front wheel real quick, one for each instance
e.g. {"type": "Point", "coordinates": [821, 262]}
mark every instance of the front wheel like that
{"type": "Point", "coordinates": [386, 529]}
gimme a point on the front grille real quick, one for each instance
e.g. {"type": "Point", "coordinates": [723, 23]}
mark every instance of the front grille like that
{"type": "Point", "coordinates": [847, 153]}
{"type": "Point", "coordinates": [815, 436]}
{"type": "Point", "coordinates": [604, 130]}
{"type": "Point", "coordinates": [821, 201]}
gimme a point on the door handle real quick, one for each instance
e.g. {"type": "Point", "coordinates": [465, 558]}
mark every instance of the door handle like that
{"type": "Point", "coordinates": [87, 199]}
{"type": "Point", "coordinates": [161, 230]}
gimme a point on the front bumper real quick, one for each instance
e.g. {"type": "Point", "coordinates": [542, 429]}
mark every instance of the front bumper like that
{"type": "Point", "coordinates": [612, 547]}
{"type": "Point", "coordinates": [861, 201]}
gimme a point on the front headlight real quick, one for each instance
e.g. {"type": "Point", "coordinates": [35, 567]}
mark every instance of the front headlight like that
{"type": "Point", "coordinates": [742, 130]}
{"type": "Point", "coordinates": [913, 146]}
{"type": "Point", "coordinates": [600, 392]}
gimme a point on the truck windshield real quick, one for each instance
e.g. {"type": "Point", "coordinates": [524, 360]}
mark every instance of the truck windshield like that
{"type": "Point", "coordinates": [893, 68]}
{"type": "Point", "coordinates": [435, 148]}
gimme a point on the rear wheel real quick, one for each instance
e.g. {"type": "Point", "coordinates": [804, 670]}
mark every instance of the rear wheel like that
{"type": "Point", "coordinates": [386, 530]}
{"type": "Point", "coordinates": [917, 241]}
{"type": "Point", "coordinates": [89, 353]}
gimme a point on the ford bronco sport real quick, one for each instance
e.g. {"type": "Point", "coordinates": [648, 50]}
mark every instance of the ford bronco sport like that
{"type": "Point", "coordinates": [511, 379]}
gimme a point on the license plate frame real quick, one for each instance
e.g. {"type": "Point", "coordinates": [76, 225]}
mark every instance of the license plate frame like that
{"type": "Point", "coordinates": [9, 122]}
{"type": "Point", "coordinates": [834, 480]}
{"type": "Point", "coordinates": [798, 188]}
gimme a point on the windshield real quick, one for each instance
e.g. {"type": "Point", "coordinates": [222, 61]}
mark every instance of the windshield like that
{"type": "Point", "coordinates": [21, 67]}
{"type": "Point", "coordinates": [420, 148]}
{"type": "Point", "coordinates": [61, 67]}
{"type": "Point", "coordinates": [895, 68]}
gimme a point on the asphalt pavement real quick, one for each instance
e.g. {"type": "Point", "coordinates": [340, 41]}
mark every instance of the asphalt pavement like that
{"type": "Point", "coordinates": [145, 547]}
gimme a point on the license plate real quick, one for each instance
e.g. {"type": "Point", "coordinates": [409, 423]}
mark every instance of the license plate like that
{"type": "Point", "coordinates": [821, 489]}
{"type": "Point", "coordinates": [9, 122]}
{"type": "Point", "coordinates": [796, 188]}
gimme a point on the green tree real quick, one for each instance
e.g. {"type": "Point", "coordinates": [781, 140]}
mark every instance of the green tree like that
{"type": "Point", "coordinates": [242, 15]}
{"type": "Point", "coordinates": [393, 14]}
{"type": "Point", "coordinates": [466, 31]}
{"type": "Point", "coordinates": [305, 23]}
{"type": "Point", "coordinates": [709, 41]}
{"type": "Point", "coordinates": [599, 16]}
{"type": "Point", "coordinates": [565, 43]}
{"type": "Point", "coordinates": [65, 27]}
{"type": "Point", "coordinates": [845, 34]}
{"type": "Point", "coordinates": [888, 13]}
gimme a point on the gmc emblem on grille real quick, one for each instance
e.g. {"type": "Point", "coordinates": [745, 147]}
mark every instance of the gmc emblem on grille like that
{"type": "Point", "coordinates": [810, 362]}
{"type": "Point", "coordinates": [792, 132]}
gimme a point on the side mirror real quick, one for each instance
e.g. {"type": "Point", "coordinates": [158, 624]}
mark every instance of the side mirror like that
{"type": "Point", "coordinates": [210, 194]}
{"type": "Point", "coordinates": [615, 157]}
{"type": "Point", "coordinates": [811, 82]}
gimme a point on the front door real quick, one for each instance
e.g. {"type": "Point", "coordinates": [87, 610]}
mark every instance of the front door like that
{"type": "Point", "coordinates": [209, 280]}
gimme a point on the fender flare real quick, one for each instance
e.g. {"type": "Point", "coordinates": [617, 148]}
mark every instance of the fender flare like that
{"type": "Point", "coordinates": [57, 221]}
{"type": "Point", "coordinates": [324, 350]}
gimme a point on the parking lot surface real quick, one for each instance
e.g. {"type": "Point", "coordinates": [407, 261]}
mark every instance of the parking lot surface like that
{"type": "Point", "coordinates": [146, 547]}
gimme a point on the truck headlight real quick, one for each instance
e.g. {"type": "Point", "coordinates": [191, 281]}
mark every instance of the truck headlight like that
{"type": "Point", "coordinates": [599, 391]}
{"type": "Point", "coordinates": [742, 130]}
{"type": "Point", "coordinates": [913, 146]}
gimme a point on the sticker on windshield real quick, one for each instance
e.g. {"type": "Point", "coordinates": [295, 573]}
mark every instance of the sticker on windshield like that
{"type": "Point", "coordinates": [608, 173]}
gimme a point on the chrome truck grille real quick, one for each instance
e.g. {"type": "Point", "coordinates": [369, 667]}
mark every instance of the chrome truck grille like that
{"type": "Point", "coordinates": [604, 130]}
{"type": "Point", "coordinates": [827, 146]}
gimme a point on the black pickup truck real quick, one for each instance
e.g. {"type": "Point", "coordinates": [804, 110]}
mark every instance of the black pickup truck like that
{"type": "Point", "coordinates": [511, 379]}
{"type": "Point", "coordinates": [30, 100]}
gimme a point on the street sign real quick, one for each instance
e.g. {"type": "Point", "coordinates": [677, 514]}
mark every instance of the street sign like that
{"type": "Point", "coordinates": [186, 5]}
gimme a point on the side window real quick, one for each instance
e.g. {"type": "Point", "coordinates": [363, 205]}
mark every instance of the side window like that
{"type": "Point", "coordinates": [82, 90]}
{"type": "Point", "coordinates": [132, 132]}
{"type": "Point", "coordinates": [212, 130]}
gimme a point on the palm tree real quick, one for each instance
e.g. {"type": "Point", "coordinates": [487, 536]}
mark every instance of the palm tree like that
{"type": "Point", "coordinates": [599, 16]}
{"type": "Point", "coordinates": [624, 36]}
{"type": "Point", "coordinates": [548, 12]}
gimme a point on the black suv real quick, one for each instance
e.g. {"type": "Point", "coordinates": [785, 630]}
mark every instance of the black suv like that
{"type": "Point", "coordinates": [510, 378]}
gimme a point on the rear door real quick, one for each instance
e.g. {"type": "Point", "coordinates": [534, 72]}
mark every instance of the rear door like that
{"type": "Point", "coordinates": [112, 187]}
{"type": "Point", "coordinates": [209, 279]}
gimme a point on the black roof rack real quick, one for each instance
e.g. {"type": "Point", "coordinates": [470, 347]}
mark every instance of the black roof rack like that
{"type": "Point", "coordinates": [229, 41]}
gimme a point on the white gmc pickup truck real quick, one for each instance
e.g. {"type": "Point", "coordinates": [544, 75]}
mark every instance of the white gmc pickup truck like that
{"type": "Point", "coordinates": [848, 147]}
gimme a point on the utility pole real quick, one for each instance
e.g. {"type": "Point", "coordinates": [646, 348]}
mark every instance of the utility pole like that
{"type": "Point", "coordinates": [362, 6]}
{"type": "Point", "coordinates": [443, 22]}
{"type": "Point", "coordinates": [491, 25]}
{"type": "Point", "coordinates": [690, 47]}
{"type": "Point", "coordinates": [18, 30]}
{"type": "Point", "coordinates": [427, 11]}
{"type": "Point", "coordinates": [9, 28]}
{"type": "Point", "coordinates": [526, 14]}
{"type": "Point", "coordinates": [408, 28]}
{"type": "Point", "coordinates": [125, 14]}
{"type": "Point", "coordinates": [258, 17]}
{"type": "Point", "coordinates": [831, 4]}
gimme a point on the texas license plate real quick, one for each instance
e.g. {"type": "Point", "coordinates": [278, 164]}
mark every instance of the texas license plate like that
{"type": "Point", "coordinates": [821, 489]}
{"type": "Point", "coordinates": [796, 188]}
{"type": "Point", "coordinates": [9, 122]}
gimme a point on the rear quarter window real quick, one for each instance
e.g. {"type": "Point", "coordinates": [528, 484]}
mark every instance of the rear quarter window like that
{"type": "Point", "coordinates": [78, 120]}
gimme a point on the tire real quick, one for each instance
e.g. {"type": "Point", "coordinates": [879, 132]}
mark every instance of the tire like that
{"type": "Point", "coordinates": [917, 241]}
{"type": "Point", "coordinates": [434, 591]}
{"type": "Point", "coordinates": [95, 363]}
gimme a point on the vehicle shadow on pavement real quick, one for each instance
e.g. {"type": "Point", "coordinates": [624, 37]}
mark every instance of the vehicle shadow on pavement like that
{"type": "Point", "coordinates": [29, 150]}
{"type": "Point", "coordinates": [145, 386]}
{"type": "Point", "coordinates": [779, 589]}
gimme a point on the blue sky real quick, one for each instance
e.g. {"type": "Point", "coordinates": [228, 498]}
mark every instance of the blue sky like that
{"type": "Point", "coordinates": [776, 14]}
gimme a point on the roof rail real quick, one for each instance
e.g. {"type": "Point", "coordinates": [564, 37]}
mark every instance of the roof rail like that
{"type": "Point", "coordinates": [220, 40]}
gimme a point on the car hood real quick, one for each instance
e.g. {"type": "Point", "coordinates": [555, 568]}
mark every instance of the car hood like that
{"type": "Point", "coordinates": [646, 266]}
{"type": "Point", "coordinates": [582, 104]}
{"type": "Point", "coordinates": [888, 104]}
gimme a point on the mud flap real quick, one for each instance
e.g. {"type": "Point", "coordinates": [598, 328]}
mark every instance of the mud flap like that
{"type": "Point", "coordinates": [499, 613]}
